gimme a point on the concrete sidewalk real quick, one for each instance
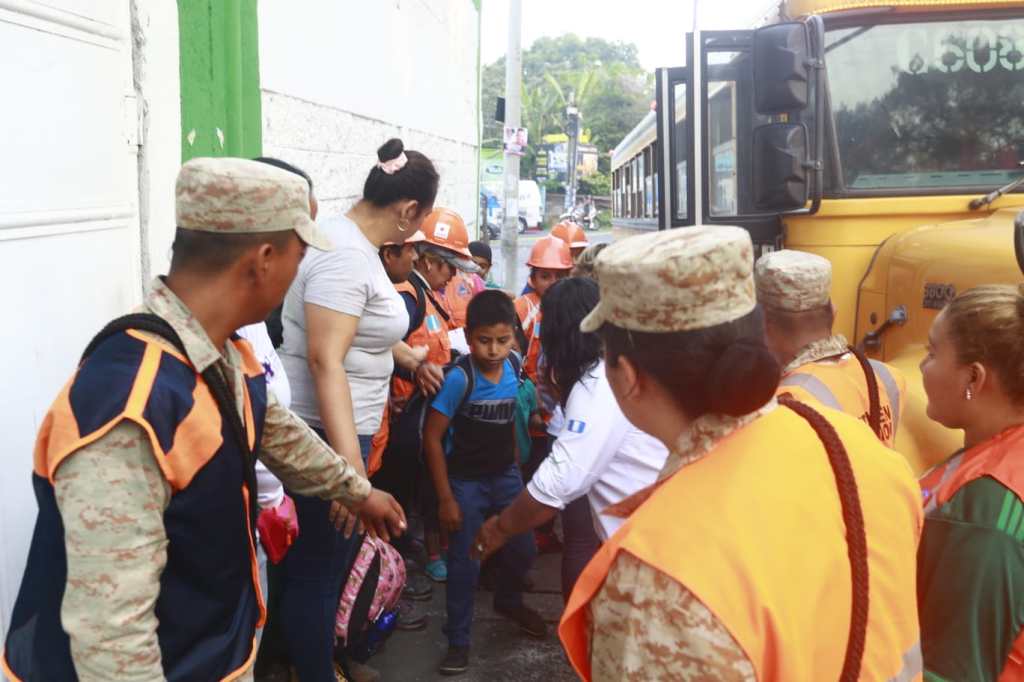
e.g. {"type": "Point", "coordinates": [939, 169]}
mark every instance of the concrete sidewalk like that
{"type": "Point", "coordinates": [499, 653]}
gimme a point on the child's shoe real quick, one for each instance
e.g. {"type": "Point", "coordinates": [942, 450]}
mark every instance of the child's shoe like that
{"type": "Point", "coordinates": [528, 620]}
{"type": "Point", "coordinates": [455, 662]}
{"type": "Point", "coordinates": [437, 570]}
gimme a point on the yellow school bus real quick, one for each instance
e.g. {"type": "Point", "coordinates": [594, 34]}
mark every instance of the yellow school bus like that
{"type": "Point", "coordinates": [884, 135]}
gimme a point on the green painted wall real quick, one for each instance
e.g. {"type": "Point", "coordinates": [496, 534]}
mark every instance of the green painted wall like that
{"type": "Point", "coordinates": [220, 78]}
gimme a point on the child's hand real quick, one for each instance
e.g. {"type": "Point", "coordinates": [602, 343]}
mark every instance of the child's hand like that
{"type": "Point", "coordinates": [449, 515]}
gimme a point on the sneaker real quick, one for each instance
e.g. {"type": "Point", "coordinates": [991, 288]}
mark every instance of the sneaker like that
{"type": "Point", "coordinates": [410, 617]}
{"type": "Point", "coordinates": [528, 620]}
{"type": "Point", "coordinates": [547, 542]}
{"type": "Point", "coordinates": [437, 570]}
{"type": "Point", "coordinates": [359, 672]}
{"type": "Point", "coordinates": [417, 588]}
{"type": "Point", "coordinates": [455, 662]}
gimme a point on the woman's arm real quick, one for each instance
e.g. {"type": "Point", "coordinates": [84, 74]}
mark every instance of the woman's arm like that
{"type": "Point", "coordinates": [329, 337]}
{"type": "Point", "coordinates": [525, 513]}
{"type": "Point", "coordinates": [429, 376]}
{"type": "Point", "coordinates": [407, 357]}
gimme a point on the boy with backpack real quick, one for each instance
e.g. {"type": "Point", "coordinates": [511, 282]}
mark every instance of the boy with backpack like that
{"type": "Point", "coordinates": [469, 442]}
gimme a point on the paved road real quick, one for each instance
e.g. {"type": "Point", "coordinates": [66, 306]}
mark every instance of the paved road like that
{"type": "Point", "coordinates": [526, 242]}
{"type": "Point", "coordinates": [499, 652]}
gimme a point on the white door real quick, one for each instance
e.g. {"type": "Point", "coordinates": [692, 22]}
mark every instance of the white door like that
{"type": "Point", "coordinates": [69, 234]}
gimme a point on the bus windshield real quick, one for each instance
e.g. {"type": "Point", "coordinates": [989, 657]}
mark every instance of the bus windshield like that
{"type": "Point", "coordinates": [927, 106]}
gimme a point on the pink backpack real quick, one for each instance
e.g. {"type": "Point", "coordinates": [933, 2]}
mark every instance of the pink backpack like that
{"type": "Point", "coordinates": [374, 586]}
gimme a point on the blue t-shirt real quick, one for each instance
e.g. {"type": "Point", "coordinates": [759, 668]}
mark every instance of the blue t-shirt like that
{"type": "Point", "coordinates": [482, 431]}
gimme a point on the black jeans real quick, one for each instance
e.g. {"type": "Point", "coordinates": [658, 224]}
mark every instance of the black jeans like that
{"type": "Point", "coordinates": [580, 545]}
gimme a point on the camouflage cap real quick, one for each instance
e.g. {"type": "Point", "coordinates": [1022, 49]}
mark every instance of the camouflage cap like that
{"type": "Point", "coordinates": [675, 281]}
{"type": "Point", "coordinates": [793, 281]}
{"type": "Point", "coordinates": [239, 196]}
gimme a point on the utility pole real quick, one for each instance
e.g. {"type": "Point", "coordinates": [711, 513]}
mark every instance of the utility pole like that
{"type": "Point", "coordinates": [513, 86]}
{"type": "Point", "coordinates": [573, 129]}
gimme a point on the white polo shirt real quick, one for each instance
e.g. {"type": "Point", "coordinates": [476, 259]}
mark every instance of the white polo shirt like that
{"type": "Point", "coordinates": [598, 453]}
{"type": "Point", "coordinates": [270, 491]}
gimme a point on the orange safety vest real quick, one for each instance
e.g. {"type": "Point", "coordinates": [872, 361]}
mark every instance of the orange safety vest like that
{"type": "Point", "coordinates": [432, 333]}
{"type": "Point", "coordinates": [528, 309]}
{"type": "Point", "coordinates": [459, 291]}
{"type": "Point", "coordinates": [756, 533]}
{"type": "Point", "coordinates": [841, 385]}
{"type": "Point", "coordinates": [997, 458]}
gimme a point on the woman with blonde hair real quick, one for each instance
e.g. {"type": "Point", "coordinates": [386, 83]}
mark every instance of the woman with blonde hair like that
{"type": "Point", "coordinates": [971, 557]}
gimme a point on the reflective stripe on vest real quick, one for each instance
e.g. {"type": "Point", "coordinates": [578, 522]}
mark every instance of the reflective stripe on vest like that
{"type": "Point", "coordinates": [842, 386]}
{"type": "Point", "coordinates": [815, 387]}
{"type": "Point", "coordinates": [913, 665]}
{"type": "Point", "coordinates": [780, 581]}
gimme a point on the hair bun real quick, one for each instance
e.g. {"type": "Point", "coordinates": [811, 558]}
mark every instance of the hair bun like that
{"type": "Point", "coordinates": [743, 379]}
{"type": "Point", "coordinates": [390, 150]}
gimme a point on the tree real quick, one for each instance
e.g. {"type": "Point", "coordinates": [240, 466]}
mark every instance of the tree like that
{"type": "Point", "coordinates": [604, 78]}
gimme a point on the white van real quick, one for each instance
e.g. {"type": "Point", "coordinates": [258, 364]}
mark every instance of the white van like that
{"type": "Point", "coordinates": [531, 206]}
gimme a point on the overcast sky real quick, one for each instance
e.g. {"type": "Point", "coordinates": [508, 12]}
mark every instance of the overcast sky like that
{"type": "Point", "coordinates": [657, 27]}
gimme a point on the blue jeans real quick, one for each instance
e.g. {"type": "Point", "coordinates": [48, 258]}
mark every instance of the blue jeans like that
{"type": "Point", "coordinates": [315, 569]}
{"type": "Point", "coordinates": [478, 499]}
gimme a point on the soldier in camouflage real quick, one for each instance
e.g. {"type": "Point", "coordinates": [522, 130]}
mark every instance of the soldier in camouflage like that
{"type": "Point", "coordinates": [128, 497]}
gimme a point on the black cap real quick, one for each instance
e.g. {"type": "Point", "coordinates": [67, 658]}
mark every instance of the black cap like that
{"type": "Point", "coordinates": [481, 250]}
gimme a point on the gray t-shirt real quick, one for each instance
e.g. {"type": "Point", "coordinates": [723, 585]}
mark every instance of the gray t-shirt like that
{"type": "Point", "coordinates": [349, 280]}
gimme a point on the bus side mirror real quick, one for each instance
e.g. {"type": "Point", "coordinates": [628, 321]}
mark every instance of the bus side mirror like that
{"type": "Point", "coordinates": [780, 179]}
{"type": "Point", "coordinates": [781, 61]}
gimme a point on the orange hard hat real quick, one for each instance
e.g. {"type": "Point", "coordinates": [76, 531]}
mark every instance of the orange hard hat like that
{"type": "Point", "coordinates": [572, 234]}
{"type": "Point", "coordinates": [416, 236]}
{"type": "Point", "coordinates": [446, 228]}
{"type": "Point", "coordinates": [551, 253]}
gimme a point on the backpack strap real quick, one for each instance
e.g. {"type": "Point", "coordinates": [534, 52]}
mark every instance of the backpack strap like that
{"type": "Point", "coordinates": [517, 366]}
{"type": "Point", "coordinates": [420, 312]}
{"type": "Point", "coordinates": [156, 325]}
{"type": "Point", "coordinates": [465, 363]}
{"type": "Point", "coordinates": [423, 290]}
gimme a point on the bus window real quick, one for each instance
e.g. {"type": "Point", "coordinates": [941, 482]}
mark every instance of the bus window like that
{"type": "Point", "coordinates": [928, 105]}
{"type": "Point", "coordinates": [680, 151]}
{"type": "Point", "coordinates": [729, 123]}
{"type": "Point", "coordinates": [721, 163]}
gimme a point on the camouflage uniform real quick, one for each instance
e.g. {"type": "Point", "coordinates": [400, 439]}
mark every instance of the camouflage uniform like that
{"type": "Point", "coordinates": [796, 282]}
{"type": "Point", "coordinates": [834, 346]}
{"type": "Point", "coordinates": [112, 494]}
{"type": "Point", "coordinates": [636, 617]}
{"type": "Point", "coordinates": [644, 624]}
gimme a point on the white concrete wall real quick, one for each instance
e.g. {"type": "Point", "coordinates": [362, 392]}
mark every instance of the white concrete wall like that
{"type": "Point", "coordinates": [73, 252]}
{"type": "Point", "coordinates": [364, 72]}
{"type": "Point", "coordinates": [158, 90]}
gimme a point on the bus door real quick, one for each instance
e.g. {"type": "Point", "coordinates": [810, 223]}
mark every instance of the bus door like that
{"type": "Point", "coordinates": [750, 137]}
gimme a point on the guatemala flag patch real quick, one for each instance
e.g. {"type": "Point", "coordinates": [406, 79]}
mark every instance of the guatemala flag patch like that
{"type": "Point", "coordinates": [576, 426]}
{"type": "Point", "coordinates": [433, 325]}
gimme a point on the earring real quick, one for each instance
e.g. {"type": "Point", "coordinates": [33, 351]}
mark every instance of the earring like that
{"type": "Point", "coordinates": [969, 395]}
{"type": "Point", "coordinates": [403, 229]}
